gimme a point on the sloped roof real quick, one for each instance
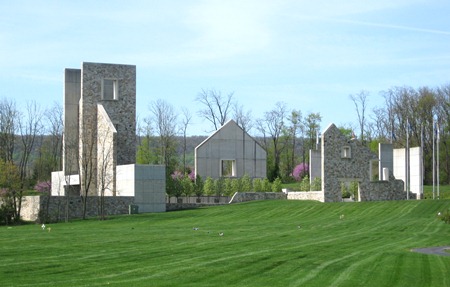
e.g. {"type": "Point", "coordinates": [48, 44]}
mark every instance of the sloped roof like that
{"type": "Point", "coordinates": [230, 122]}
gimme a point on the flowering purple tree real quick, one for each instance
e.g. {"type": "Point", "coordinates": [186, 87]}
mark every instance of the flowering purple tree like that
{"type": "Point", "coordinates": [43, 186]}
{"type": "Point", "coordinates": [300, 171]}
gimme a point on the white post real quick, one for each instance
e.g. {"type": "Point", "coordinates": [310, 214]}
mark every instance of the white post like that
{"type": "Point", "coordinates": [437, 155]}
{"type": "Point", "coordinates": [434, 160]}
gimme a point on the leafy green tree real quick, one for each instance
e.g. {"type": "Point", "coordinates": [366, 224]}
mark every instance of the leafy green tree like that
{"type": "Point", "coordinates": [228, 186]}
{"type": "Point", "coordinates": [276, 185]}
{"type": "Point", "coordinates": [266, 186]}
{"type": "Point", "coordinates": [219, 184]}
{"type": "Point", "coordinates": [145, 153]}
{"type": "Point", "coordinates": [187, 186]}
{"type": "Point", "coordinates": [304, 184]}
{"type": "Point", "coordinates": [236, 185]}
{"type": "Point", "coordinates": [209, 186]}
{"type": "Point", "coordinates": [246, 183]}
{"type": "Point", "coordinates": [257, 185]}
{"type": "Point", "coordinates": [10, 194]}
{"type": "Point", "coordinates": [198, 186]}
{"type": "Point", "coordinates": [316, 184]}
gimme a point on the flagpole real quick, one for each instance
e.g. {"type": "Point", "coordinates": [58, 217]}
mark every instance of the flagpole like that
{"type": "Point", "coordinates": [407, 159]}
{"type": "Point", "coordinates": [437, 159]}
{"type": "Point", "coordinates": [434, 158]}
{"type": "Point", "coordinates": [422, 168]}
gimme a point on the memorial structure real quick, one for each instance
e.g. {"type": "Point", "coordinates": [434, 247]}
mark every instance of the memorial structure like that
{"type": "Point", "coordinates": [230, 152]}
{"type": "Point", "coordinates": [99, 145]}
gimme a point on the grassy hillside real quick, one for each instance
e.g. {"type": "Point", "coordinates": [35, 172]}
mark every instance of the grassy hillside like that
{"type": "Point", "coordinates": [265, 243]}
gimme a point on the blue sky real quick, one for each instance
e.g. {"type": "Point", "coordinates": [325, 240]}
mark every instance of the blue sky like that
{"type": "Point", "coordinates": [309, 54]}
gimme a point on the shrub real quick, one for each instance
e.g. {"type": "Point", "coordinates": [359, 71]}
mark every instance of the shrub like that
{"type": "Point", "coordinates": [246, 183]}
{"type": "Point", "coordinates": [300, 171]}
{"type": "Point", "coordinates": [276, 185]}
{"type": "Point", "coordinates": [304, 184]}
{"type": "Point", "coordinates": [445, 216]}
{"type": "Point", "coordinates": [208, 187]}
{"type": "Point", "coordinates": [236, 185]}
{"type": "Point", "coordinates": [353, 189]}
{"type": "Point", "coordinates": [316, 184]}
{"type": "Point", "coordinates": [219, 184]}
{"type": "Point", "coordinates": [228, 186]}
{"type": "Point", "coordinates": [198, 186]}
{"type": "Point", "coordinates": [43, 186]}
{"type": "Point", "coordinates": [257, 185]}
{"type": "Point", "coordinates": [266, 186]}
{"type": "Point", "coordinates": [187, 186]}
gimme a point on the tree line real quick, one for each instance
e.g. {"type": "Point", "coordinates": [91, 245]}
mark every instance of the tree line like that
{"type": "Point", "coordinates": [31, 137]}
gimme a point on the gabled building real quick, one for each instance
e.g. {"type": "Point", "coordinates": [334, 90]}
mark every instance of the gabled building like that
{"type": "Point", "coordinates": [230, 152]}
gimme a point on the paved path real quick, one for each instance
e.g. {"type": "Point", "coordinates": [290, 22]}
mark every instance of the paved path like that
{"type": "Point", "coordinates": [433, 250]}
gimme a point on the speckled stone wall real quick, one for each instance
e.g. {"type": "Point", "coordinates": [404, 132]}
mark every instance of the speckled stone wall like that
{"type": "Point", "coordinates": [121, 112]}
{"type": "Point", "coordinates": [346, 160]}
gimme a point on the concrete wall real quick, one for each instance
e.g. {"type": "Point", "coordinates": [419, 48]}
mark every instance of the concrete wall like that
{"type": "Point", "coordinates": [386, 156]}
{"type": "Point", "coordinates": [106, 153]}
{"type": "Point", "coordinates": [147, 183]}
{"type": "Point", "coordinates": [230, 142]}
{"type": "Point", "coordinates": [415, 168]}
{"type": "Point", "coordinates": [315, 165]}
{"type": "Point", "coordinates": [72, 96]}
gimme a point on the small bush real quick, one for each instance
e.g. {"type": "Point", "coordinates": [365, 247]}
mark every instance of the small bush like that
{"type": "Point", "coordinates": [445, 216]}
{"type": "Point", "coordinates": [266, 186]}
{"type": "Point", "coordinates": [304, 184]}
{"type": "Point", "coordinates": [316, 184]}
{"type": "Point", "coordinates": [246, 183]}
{"type": "Point", "coordinates": [257, 185]}
{"type": "Point", "coordinates": [276, 185]}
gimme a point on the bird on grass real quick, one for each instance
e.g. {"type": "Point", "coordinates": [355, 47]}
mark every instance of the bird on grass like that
{"type": "Point", "coordinates": [221, 234]}
{"type": "Point", "coordinates": [43, 226]}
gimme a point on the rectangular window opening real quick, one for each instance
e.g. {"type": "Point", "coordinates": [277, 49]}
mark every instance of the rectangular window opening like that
{"type": "Point", "coordinates": [346, 152]}
{"type": "Point", "coordinates": [228, 168]}
{"type": "Point", "coordinates": [374, 170]}
{"type": "Point", "coordinates": [110, 89]}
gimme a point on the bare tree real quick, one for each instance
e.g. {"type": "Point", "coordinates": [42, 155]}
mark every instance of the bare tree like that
{"type": "Point", "coordinates": [296, 123]}
{"type": "Point", "coordinates": [216, 107]}
{"type": "Point", "coordinates": [360, 101]}
{"type": "Point", "coordinates": [30, 127]}
{"type": "Point", "coordinates": [185, 123]}
{"type": "Point", "coordinates": [86, 161]}
{"type": "Point", "coordinates": [106, 157]}
{"type": "Point", "coordinates": [271, 128]}
{"type": "Point", "coordinates": [8, 124]}
{"type": "Point", "coordinates": [312, 126]}
{"type": "Point", "coordinates": [242, 118]}
{"type": "Point", "coordinates": [165, 120]}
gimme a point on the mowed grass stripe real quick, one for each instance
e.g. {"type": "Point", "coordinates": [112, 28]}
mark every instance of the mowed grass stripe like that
{"type": "Point", "coordinates": [262, 246]}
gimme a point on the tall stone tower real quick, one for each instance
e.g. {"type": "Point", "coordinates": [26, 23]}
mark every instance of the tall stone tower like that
{"type": "Point", "coordinates": [99, 123]}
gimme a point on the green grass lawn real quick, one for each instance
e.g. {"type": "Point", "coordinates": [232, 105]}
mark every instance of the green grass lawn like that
{"type": "Point", "coordinates": [444, 191]}
{"type": "Point", "coordinates": [264, 243]}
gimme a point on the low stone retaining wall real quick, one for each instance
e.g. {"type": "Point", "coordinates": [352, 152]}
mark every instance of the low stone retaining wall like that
{"type": "Point", "coordinates": [305, 195]}
{"type": "Point", "coordinates": [200, 199]}
{"type": "Point", "coordinates": [34, 207]}
{"type": "Point", "coordinates": [250, 196]}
